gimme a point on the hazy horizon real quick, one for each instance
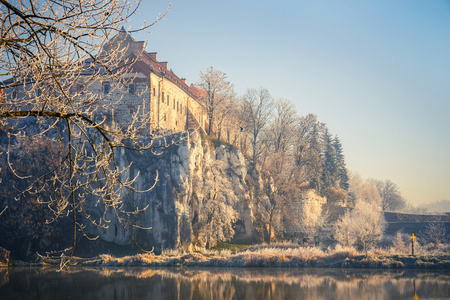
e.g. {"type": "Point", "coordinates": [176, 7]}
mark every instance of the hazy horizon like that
{"type": "Point", "coordinates": [376, 72]}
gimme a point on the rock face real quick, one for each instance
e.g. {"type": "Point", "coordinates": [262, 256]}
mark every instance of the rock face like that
{"type": "Point", "coordinates": [184, 178]}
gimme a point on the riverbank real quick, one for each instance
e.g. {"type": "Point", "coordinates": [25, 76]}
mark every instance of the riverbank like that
{"type": "Point", "coordinates": [266, 256]}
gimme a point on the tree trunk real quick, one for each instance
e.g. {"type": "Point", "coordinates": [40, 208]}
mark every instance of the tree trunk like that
{"type": "Point", "coordinates": [210, 125]}
{"type": "Point", "coordinates": [270, 227]}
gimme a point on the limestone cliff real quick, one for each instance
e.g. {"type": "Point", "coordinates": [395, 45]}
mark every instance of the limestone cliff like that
{"type": "Point", "coordinates": [189, 177]}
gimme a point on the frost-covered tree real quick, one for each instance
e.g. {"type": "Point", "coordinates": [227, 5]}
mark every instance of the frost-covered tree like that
{"type": "Point", "coordinates": [361, 189]}
{"type": "Point", "coordinates": [435, 234]}
{"type": "Point", "coordinates": [257, 105]}
{"type": "Point", "coordinates": [51, 52]}
{"type": "Point", "coordinates": [315, 165]}
{"type": "Point", "coordinates": [282, 128]}
{"type": "Point", "coordinates": [400, 243]}
{"type": "Point", "coordinates": [307, 150]}
{"type": "Point", "coordinates": [344, 231]}
{"type": "Point", "coordinates": [217, 213]}
{"type": "Point", "coordinates": [391, 198]}
{"type": "Point", "coordinates": [218, 93]}
{"type": "Point", "coordinates": [279, 191]}
{"type": "Point", "coordinates": [361, 227]}
{"type": "Point", "coordinates": [230, 128]}
{"type": "Point", "coordinates": [313, 223]}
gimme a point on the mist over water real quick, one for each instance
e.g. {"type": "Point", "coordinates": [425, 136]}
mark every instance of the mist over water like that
{"type": "Point", "coordinates": [234, 283]}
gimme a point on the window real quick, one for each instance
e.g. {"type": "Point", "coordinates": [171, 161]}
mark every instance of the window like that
{"type": "Point", "coordinates": [167, 100]}
{"type": "Point", "coordinates": [154, 92]}
{"type": "Point", "coordinates": [162, 97]}
{"type": "Point", "coordinates": [106, 88]}
{"type": "Point", "coordinates": [131, 88]}
{"type": "Point", "coordinates": [131, 111]}
{"type": "Point", "coordinates": [178, 107]}
{"type": "Point", "coordinates": [173, 103]}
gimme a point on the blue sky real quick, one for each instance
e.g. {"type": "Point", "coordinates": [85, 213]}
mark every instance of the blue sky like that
{"type": "Point", "coordinates": [377, 72]}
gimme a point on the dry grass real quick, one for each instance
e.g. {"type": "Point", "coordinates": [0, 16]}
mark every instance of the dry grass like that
{"type": "Point", "coordinates": [284, 255]}
{"type": "Point", "coordinates": [343, 252]}
{"type": "Point", "coordinates": [378, 252]}
{"type": "Point", "coordinates": [172, 252]}
{"type": "Point", "coordinates": [107, 258]}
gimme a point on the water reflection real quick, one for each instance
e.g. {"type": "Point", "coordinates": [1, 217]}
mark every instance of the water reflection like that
{"type": "Point", "coordinates": [254, 283]}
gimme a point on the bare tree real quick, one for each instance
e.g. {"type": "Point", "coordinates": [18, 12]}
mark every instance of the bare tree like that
{"type": "Point", "coordinates": [218, 92]}
{"type": "Point", "coordinates": [51, 53]}
{"type": "Point", "coordinates": [391, 198]}
{"type": "Point", "coordinates": [257, 108]}
{"type": "Point", "coordinates": [283, 126]}
{"type": "Point", "coordinates": [25, 222]}
{"type": "Point", "coordinates": [227, 124]}
{"type": "Point", "coordinates": [435, 234]}
{"type": "Point", "coordinates": [231, 124]}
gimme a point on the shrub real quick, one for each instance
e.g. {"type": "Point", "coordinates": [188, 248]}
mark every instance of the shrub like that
{"type": "Point", "coordinates": [400, 245]}
{"type": "Point", "coordinates": [362, 227]}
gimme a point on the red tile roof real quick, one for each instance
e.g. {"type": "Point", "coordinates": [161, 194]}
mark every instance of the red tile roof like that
{"type": "Point", "coordinates": [198, 92]}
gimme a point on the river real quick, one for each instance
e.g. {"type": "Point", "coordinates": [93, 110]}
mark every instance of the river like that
{"type": "Point", "coordinates": [222, 283]}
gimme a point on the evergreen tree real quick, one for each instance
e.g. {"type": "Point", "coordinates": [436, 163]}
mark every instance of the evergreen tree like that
{"type": "Point", "coordinates": [341, 169]}
{"type": "Point", "coordinates": [329, 173]}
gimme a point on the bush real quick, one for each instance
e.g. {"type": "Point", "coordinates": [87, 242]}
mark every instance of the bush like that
{"type": "Point", "coordinates": [400, 244]}
{"type": "Point", "coordinates": [362, 227]}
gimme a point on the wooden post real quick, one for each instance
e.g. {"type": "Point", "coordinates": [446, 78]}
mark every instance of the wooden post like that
{"type": "Point", "coordinates": [415, 294]}
{"type": "Point", "coordinates": [412, 243]}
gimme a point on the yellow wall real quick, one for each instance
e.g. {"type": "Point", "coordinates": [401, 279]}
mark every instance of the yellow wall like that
{"type": "Point", "coordinates": [172, 114]}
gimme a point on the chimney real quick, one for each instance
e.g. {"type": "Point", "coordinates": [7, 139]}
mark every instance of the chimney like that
{"type": "Point", "coordinates": [153, 55]}
{"type": "Point", "coordinates": [164, 64]}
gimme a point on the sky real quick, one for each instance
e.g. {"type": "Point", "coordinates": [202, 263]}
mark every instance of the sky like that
{"type": "Point", "coordinates": [376, 72]}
